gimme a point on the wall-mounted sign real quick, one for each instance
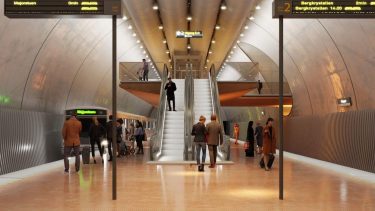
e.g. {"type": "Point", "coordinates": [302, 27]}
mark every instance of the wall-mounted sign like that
{"type": "Point", "coordinates": [345, 102]}
{"type": "Point", "coordinates": [189, 34]}
{"type": "Point", "coordinates": [87, 112]}
{"type": "Point", "coordinates": [324, 8]}
{"type": "Point", "coordinates": [61, 8]}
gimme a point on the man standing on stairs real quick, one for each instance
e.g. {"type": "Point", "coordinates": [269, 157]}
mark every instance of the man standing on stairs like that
{"type": "Point", "coordinates": [214, 138]}
{"type": "Point", "coordinates": [171, 88]}
{"type": "Point", "coordinates": [199, 133]}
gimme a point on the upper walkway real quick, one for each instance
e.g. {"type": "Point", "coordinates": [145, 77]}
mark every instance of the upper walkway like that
{"type": "Point", "coordinates": [242, 186]}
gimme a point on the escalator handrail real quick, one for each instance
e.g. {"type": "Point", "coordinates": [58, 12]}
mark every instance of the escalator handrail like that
{"type": "Point", "coordinates": [157, 139]}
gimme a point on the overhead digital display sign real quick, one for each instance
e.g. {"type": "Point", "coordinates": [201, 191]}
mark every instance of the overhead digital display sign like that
{"type": "Point", "coordinates": [324, 9]}
{"type": "Point", "coordinates": [189, 34]}
{"type": "Point", "coordinates": [61, 8]}
{"type": "Point", "coordinates": [86, 112]}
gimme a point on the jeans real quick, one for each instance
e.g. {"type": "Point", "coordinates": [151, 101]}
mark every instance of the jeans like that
{"type": "Point", "coordinates": [198, 147]}
{"type": "Point", "coordinates": [97, 142]}
{"type": "Point", "coordinates": [145, 76]}
{"type": "Point", "coordinates": [213, 153]}
{"type": "Point", "coordinates": [67, 150]}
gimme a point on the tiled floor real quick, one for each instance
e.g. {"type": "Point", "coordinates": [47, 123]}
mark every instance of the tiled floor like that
{"type": "Point", "coordinates": [242, 186]}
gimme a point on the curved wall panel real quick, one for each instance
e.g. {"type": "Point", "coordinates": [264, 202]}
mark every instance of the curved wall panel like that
{"type": "Point", "coordinates": [343, 138]}
{"type": "Point", "coordinates": [28, 139]}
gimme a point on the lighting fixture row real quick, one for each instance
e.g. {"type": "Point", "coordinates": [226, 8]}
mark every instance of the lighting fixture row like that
{"type": "Point", "coordinates": [130, 27]}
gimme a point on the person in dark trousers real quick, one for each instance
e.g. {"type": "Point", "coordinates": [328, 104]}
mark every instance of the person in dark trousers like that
{"type": "Point", "coordinates": [214, 138]}
{"type": "Point", "coordinates": [108, 128]}
{"type": "Point", "coordinates": [119, 124]}
{"type": "Point", "coordinates": [171, 88]}
{"type": "Point", "coordinates": [96, 131]}
{"type": "Point", "coordinates": [71, 135]}
{"type": "Point", "coordinates": [145, 70]}
{"type": "Point", "coordinates": [259, 137]}
{"type": "Point", "coordinates": [250, 140]}
{"type": "Point", "coordinates": [260, 86]}
{"type": "Point", "coordinates": [199, 133]}
{"type": "Point", "coordinates": [139, 136]}
{"type": "Point", "coordinates": [269, 142]}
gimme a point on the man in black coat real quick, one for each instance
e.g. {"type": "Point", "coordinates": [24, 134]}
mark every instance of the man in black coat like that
{"type": "Point", "coordinates": [171, 88]}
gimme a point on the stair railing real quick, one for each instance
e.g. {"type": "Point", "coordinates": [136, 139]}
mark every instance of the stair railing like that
{"type": "Point", "coordinates": [156, 143]}
{"type": "Point", "coordinates": [188, 123]}
{"type": "Point", "coordinates": [224, 149]}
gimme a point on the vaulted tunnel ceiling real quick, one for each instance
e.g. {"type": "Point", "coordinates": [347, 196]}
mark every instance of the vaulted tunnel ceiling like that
{"type": "Point", "coordinates": [204, 14]}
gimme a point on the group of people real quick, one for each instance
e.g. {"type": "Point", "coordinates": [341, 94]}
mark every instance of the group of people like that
{"type": "Point", "coordinates": [265, 140]}
{"type": "Point", "coordinates": [211, 135]}
{"type": "Point", "coordinates": [143, 71]}
{"type": "Point", "coordinates": [71, 134]}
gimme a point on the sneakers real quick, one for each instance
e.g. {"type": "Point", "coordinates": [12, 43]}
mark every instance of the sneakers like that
{"type": "Point", "coordinates": [66, 171]}
{"type": "Point", "coordinates": [201, 167]}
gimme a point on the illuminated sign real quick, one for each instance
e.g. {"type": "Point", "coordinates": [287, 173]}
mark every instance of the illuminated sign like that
{"type": "Point", "coordinates": [324, 9]}
{"type": "Point", "coordinates": [4, 100]}
{"type": "Point", "coordinates": [86, 112]}
{"type": "Point", "coordinates": [345, 102]}
{"type": "Point", "coordinates": [189, 34]}
{"type": "Point", "coordinates": [60, 8]}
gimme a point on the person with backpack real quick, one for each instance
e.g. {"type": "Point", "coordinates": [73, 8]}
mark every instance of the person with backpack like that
{"type": "Point", "coordinates": [199, 133]}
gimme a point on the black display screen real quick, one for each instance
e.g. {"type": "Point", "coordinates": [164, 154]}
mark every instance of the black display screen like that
{"type": "Point", "coordinates": [60, 8]}
{"type": "Point", "coordinates": [324, 9]}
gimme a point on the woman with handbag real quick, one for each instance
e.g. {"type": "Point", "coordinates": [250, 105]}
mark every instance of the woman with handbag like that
{"type": "Point", "coordinates": [269, 143]}
{"type": "Point", "coordinates": [139, 137]}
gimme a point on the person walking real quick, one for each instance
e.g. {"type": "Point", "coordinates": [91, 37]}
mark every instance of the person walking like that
{"type": "Point", "coordinates": [259, 138]}
{"type": "Point", "coordinates": [269, 142]}
{"type": "Point", "coordinates": [139, 137]}
{"type": "Point", "coordinates": [96, 131]}
{"type": "Point", "coordinates": [71, 135]}
{"type": "Point", "coordinates": [214, 138]}
{"type": "Point", "coordinates": [145, 70]}
{"type": "Point", "coordinates": [108, 128]}
{"type": "Point", "coordinates": [119, 124]}
{"type": "Point", "coordinates": [171, 88]}
{"type": "Point", "coordinates": [236, 132]}
{"type": "Point", "coordinates": [199, 133]}
{"type": "Point", "coordinates": [250, 140]}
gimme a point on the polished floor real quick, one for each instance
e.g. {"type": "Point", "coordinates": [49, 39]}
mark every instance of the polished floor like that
{"type": "Point", "coordinates": [242, 186]}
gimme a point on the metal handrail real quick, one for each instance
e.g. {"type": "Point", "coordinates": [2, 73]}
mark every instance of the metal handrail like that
{"type": "Point", "coordinates": [224, 150]}
{"type": "Point", "coordinates": [157, 139]}
{"type": "Point", "coordinates": [189, 104]}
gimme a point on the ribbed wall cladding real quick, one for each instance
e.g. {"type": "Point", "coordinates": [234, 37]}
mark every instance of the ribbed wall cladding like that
{"type": "Point", "coordinates": [28, 139]}
{"type": "Point", "coordinates": [346, 139]}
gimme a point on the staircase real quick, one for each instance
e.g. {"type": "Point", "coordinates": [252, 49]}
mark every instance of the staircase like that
{"type": "Point", "coordinates": [202, 100]}
{"type": "Point", "coordinates": [173, 132]}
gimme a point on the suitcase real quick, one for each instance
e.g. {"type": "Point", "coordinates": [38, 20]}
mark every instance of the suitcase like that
{"type": "Point", "coordinates": [270, 162]}
{"type": "Point", "coordinates": [86, 155]}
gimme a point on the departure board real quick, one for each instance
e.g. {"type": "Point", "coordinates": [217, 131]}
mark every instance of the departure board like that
{"type": "Point", "coordinates": [324, 9]}
{"type": "Point", "coordinates": [61, 8]}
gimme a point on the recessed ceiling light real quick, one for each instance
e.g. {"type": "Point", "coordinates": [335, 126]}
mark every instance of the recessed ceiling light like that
{"type": "Point", "coordinates": [238, 41]}
{"type": "Point", "coordinates": [234, 47]}
{"type": "Point", "coordinates": [147, 56]}
{"type": "Point", "coordinates": [138, 41]}
{"type": "Point", "coordinates": [141, 46]}
{"type": "Point", "coordinates": [170, 60]}
{"type": "Point", "coordinates": [217, 27]}
{"type": "Point", "coordinates": [213, 41]}
{"type": "Point", "coordinates": [155, 6]}
{"type": "Point", "coordinates": [229, 56]}
{"type": "Point", "coordinates": [189, 18]}
{"type": "Point", "coordinates": [144, 52]}
{"type": "Point", "coordinates": [164, 41]}
{"type": "Point", "coordinates": [161, 27]}
{"type": "Point", "coordinates": [242, 35]}
{"type": "Point", "coordinates": [134, 34]}
{"type": "Point", "coordinates": [246, 27]}
{"type": "Point", "coordinates": [231, 52]}
{"type": "Point", "coordinates": [210, 52]}
{"type": "Point", "coordinates": [208, 60]}
{"type": "Point", "coordinates": [189, 46]}
{"type": "Point", "coordinates": [167, 52]}
{"type": "Point", "coordinates": [258, 7]}
{"type": "Point", "coordinates": [252, 18]}
{"type": "Point", "coordinates": [130, 27]}
{"type": "Point", "coordinates": [124, 18]}
{"type": "Point", "coordinates": [223, 6]}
